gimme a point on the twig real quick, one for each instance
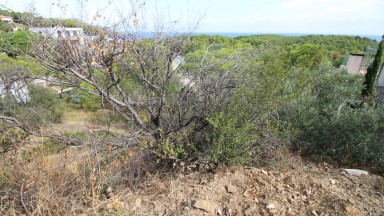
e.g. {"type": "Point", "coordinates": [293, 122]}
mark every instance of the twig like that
{"type": "Point", "coordinates": [22, 200]}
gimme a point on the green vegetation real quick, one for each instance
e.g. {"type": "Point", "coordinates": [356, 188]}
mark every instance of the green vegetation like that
{"type": "Point", "coordinates": [21, 17]}
{"type": "Point", "coordinates": [329, 125]}
{"type": "Point", "coordinates": [48, 147]}
{"type": "Point", "coordinates": [373, 71]}
{"type": "Point", "coordinates": [5, 27]}
{"type": "Point", "coordinates": [130, 111]}
{"type": "Point", "coordinates": [331, 48]}
{"type": "Point", "coordinates": [290, 97]}
{"type": "Point", "coordinates": [16, 43]}
{"type": "Point", "coordinates": [283, 93]}
{"type": "Point", "coordinates": [46, 104]}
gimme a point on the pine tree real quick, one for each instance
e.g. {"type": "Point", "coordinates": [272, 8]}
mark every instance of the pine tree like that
{"type": "Point", "coordinates": [373, 70]}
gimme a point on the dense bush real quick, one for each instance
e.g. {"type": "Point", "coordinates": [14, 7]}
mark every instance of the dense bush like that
{"type": "Point", "coordinates": [11, 137]}
{"type": "Point", "coordinates": [315, 112]}
{"type": "Point", "coordinates": [248, 130]}
{"type": "Point", "coordinates": [82, 100]}
{"type": "Point", "coordinates": [333, 124]}
{"type": "Point", "coordinates": [43, 108]}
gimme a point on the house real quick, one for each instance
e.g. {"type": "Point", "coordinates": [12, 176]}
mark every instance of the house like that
{"type": "Point", "coordinates": [52, 84]}
{"type": "Point", "coordinates": [380, 85]}
{"type": "Point", "coordinates": [59, 32]}
{"type": "Point", "coordinates": [355, 64]}
{"type": "Point", "coordinates": [6, 19]}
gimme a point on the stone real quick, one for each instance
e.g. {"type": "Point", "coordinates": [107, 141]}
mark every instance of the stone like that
{"type": "Point", "coordinates": [219, 212]}
{"type": "Point", "coordinates": [270, 206]}
{"type": "Point", "coordinates": [138, 202]}
{"type": "Point", "coordinates": [350, 210]}
{"type": "Point", "coordinates": [314, 213]}
{"type": "Point", "coordinates": [246, 209]}
{"type": "Point", "coordinates": [110, 195]}
{"type": "Point", "coordinates": [159, 208]}
{"type": "Point", "coordinates": [272, 211]}
{"type": "Point", "coordinates": [333, 182]}
{"type": "Point", "coordinates": [264, 172]}
{"type": "Point", "coordinates": [206, 205]}
{"type": "Point", "coordinates": [109, 190]}
{"type": "Point", "coordinates": [308, 192]}
{"type": "Point", "coordinates": [231, 189]}
{"type": "Point", "coordinates": [247, 212]}
{"type": "Point", "coordinates": [355, 172]}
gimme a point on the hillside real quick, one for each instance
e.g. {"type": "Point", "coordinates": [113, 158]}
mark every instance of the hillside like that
{"type": "Point", "coordinates": [100, 124]}
{"type": "Point", "coordinates": [126, 186]}
{"type": "Point", "coordinates": [301, 189]}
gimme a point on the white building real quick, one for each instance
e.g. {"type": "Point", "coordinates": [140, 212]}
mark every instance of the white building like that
{"type": "Point", "coordinates": [59, 32]}
{"type": "Point", "coordinates": [6, 19]}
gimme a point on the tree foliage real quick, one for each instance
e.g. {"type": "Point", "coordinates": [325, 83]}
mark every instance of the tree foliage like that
{"type": "Point", "coordinates": [373, 71]}
{"type": "Point", "coordinates": [332, 47]}
{"type": "Point", "coordinates": [233, 100]}
{"type": "Point", "coordinates": [331, 126]}
{"type": "Point", "coordinates": [139, 79]}
{"type": "Point", "coordinates": [15, 43]}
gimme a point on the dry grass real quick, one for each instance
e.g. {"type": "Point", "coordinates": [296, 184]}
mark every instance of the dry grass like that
{"type": "Point", "coordinates": [72, 182]}
{"type": "Point", "coordinates": [89, 121]}
{"type": "Point", "coordinates": [380, 186]}
{"type": "Point", "coordinates": [38, 181]}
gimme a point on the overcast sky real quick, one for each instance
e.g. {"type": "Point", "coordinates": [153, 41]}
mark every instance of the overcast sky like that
{"type": "Point", "coordinates": [360, 17]}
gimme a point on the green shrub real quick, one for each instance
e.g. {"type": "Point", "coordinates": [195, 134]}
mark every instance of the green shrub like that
{"type": "Point", "coordinates": [332, 122]}
{"type": "Point", "coordinates": [11, 137]}
{"type": "Point", "coordinates": [44, 106]}
{"type": "Point", "coordinates": [81, 100]}
{"type": "Point", "coordinates": [247, 130]}
{"type": "Point", "coordinates": [48, 147]}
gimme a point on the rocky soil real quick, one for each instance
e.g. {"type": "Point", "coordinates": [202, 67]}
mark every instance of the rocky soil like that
{"type": "Point", "coordinates": [302, 189]}
{"type": "Point", "coordinates": [295, 188]}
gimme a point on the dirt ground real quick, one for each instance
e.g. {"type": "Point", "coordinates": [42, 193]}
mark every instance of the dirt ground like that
{"type": "Point", "coordinates": [303, 189]}
{"type": "Point", "coordinates": [296, 188]}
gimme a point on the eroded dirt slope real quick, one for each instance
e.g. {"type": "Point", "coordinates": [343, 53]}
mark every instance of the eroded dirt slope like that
{"type": "Point", "coordinates": [300, 190]}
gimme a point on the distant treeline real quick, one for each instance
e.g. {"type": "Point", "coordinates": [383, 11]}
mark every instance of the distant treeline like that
{"type": "Point", "coordinates": [34, 20]}
{"type": "Point", "coordinates": [306, 51]}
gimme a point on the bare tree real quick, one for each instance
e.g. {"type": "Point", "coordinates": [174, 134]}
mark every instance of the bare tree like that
{"type": "Point", "coordinates": [143, 78]}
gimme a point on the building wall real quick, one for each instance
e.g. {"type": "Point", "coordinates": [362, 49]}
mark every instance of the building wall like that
{"type": "Point", "coordinates": [354, 63]}
{"type": "Point", "coordinates": [57, 32]}
{"type": "Point", "coordinates": [6, 19]}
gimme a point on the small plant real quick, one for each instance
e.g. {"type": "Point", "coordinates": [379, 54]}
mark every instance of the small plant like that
{"type": "Point", "coordinates": [46, 104]}
{"type": "Point", "coordinates": [12, 137]}
{"type": "Point", "coordinates": [82, 135]}
{"type": "Point", "coordinates": [48, 147]}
